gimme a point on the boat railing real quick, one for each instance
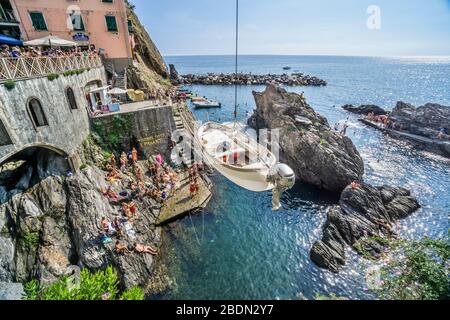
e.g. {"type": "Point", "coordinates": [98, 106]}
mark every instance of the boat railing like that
{"type": "Point", "coordinates": [22, 68]}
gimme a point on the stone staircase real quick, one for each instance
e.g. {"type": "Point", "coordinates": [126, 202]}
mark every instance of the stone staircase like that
{"type": "Point", "coordinates": [119, 78]}
{"type": "Point", "coordinates": [185, 154]}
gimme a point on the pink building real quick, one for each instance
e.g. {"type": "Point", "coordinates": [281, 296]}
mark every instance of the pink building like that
{"type": "Point", "coordinates": [101, 23]}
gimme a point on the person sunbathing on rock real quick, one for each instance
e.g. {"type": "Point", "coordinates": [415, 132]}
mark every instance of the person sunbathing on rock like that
{"type": "Point", "coordinates": [133, 210]}
{"type": "Point", "coordinates": [387, 226]}
{"type": "Point", "coordinates": [139, 174]}
{"type": "Point", "coordinates": [118, 226]}
{"type": "Point", "coordinates": [140, 248]}
{"type": "Point", "coordinates": [354, 185]}
{"type": "Point", "coordinates": [109, 193]}
{"type": "Point", "coordinates": [120, 248]}
{"type": "Point", "coordinates": [113, 175]}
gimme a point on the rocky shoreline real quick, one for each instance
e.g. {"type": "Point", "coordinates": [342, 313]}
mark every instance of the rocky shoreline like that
{"type": "Point", "coordinates": [322, 157]}
{"type": "Point", "coordinates": [363, 220]}
{"type": "Point", "coordinates": [427, 127]}
{"type": "Point", "coordinates": [295, 79]}
{"type": "Point", "coordinates": [52, 228]}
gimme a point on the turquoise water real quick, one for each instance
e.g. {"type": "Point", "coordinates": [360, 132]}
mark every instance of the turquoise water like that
{"type": "Point", "coordinates": [240, 249]}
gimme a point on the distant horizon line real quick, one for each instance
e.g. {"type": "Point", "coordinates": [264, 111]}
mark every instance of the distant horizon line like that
{"type": "Point", "coordinates": [309, 55]}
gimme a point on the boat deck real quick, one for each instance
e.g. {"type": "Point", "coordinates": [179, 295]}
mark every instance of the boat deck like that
{"type": "Point", "coordinates": [181, 203]}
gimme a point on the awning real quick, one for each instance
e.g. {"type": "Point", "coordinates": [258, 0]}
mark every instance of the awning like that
{"type": "Point", "coordinates": [116, 91]}
{"type": "Point", "coordinates": [99, 89]}
{"type": "Point", "coordinates": [50, 41]}
{"type": "Point", "coordinates": [10, 41]}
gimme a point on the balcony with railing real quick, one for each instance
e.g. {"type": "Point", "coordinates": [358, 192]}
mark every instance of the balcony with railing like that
{"type": "Point", "coordinates": [33, 67]}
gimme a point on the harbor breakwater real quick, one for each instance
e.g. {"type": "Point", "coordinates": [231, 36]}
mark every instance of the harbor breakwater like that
{"type": "Point", "coordinates": [294, 79]}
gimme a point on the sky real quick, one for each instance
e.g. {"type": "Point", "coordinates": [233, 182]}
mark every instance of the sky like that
{"type": "Point", "coordinates": [299, 27]}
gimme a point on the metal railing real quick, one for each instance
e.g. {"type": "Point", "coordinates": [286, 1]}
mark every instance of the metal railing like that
{"type": "Point", "coordinates": [32, 67]}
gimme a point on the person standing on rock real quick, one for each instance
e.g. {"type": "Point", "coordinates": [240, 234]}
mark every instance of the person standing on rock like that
{"type": "Point", "coordinates": [134, 156]}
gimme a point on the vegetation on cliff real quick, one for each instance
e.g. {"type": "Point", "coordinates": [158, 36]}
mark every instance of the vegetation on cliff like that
{"type": "Point", "coordinates": [102, 285]}
{"type": "Point", "coordinates": [415, 270]}
{"type": "Point", "coordinates": [112, 132]}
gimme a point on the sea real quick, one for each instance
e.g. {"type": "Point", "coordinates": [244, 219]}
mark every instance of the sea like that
{"type": "Point", "coordinates": [238, 248]}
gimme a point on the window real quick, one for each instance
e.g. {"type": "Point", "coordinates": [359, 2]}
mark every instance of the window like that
{"type": "Point", "coordinates": [71, 98]}
{"type": "Point", "coordinates": [107, 1]}
{"type": "Point", "coordinates": [36, 113]}
{"type": "Point", "coordinates": [130, 26]}
{"type": "Point", "coordinates": [37, 18]}
{"type": "Point", "coordinates": [111, 23]}
{"type": "Point", "coordinates": [4, 136]}
{"type": "Point", "coordinates": [77, 21]}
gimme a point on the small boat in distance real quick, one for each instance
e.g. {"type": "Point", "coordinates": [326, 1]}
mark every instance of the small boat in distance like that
{"type": "Point", "coordinates": [198, 99]}
{"type": "Point", "coordinates": [287, 68]}
{"type": "Point", "coordinates": [206, 104]}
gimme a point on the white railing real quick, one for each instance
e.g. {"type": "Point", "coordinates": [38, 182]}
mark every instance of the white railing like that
{"type": "Point", "coordinates": [31, 67]}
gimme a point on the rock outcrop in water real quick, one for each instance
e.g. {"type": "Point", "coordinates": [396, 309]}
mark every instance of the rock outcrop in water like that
{"type": "Point", "coordinates": [362, 220]}
{"type": "Point", "coordinates": [317, 154]}
{"type": "Point", "coordinates": [425, 120]}
{"type": "Point", "coordinates": [365, 109]}
{"type": "Point", "coordinates": [53, 228]}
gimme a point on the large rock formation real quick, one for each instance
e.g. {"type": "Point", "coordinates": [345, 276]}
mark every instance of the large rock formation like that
{"type": "Point", "coordinates": [318, 155]}
{"type": "Point", "coordinates": [362, 220]}
{"type": "Point", "coordinates": [54, 226]}
{"type": "Point", "coordinates": [148, 71]}
{"type": "Point", "coordinates": [144, 46]}
{"type": "Point", "coordinates": [365, 109]}
{"type": "Point", "coordinates": [426, 120]}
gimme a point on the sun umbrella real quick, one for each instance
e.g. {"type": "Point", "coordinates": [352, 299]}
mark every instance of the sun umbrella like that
{"type": "Point", "coordinates": [11, 41]}
{"type": "Point", "coordinates": [116, 91]}
{"type": "Point", "coordinates": [50, 41]}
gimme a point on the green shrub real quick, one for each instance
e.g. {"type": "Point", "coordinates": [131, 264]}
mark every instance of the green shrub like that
{"type": "Point", "coordinates": [31, 290]}
{"type": "Point", "coordinates": [321, 297]}
{"type": "Point", "coordinates": [52, 76]}
{"type": "Point", "coordinates": [102, 285]}
{"type": "Point", "coordinates": [416, 270]}
{"type": "Point", "coordinates": [135, 293]}
{"type": "Point", "coordinates": [165, 82]}
{"type": "Point", "coordinates": [31, 239]}
{"type": "Point", "coordinates": [9, 84]}
{"type": "Point", "coordinates": [83, 166]}
{"type": "Point", "coordinates": [114, 132]}
{"type": "Point", "coordinates": [322, 142]}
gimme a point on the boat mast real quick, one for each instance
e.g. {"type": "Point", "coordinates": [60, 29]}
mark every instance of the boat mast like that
{"type": "Point", "coordinates": [236, 61]}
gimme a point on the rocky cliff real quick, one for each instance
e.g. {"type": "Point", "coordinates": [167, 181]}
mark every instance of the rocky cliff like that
{"type": "Point", "coordinates": [318, 155]}
{"type": "Point", "coordinates": [149, 70]}
{"type": "Point", "coordinates": [53, 227]}
{"type": "Point", "coordinates": [362, 220]}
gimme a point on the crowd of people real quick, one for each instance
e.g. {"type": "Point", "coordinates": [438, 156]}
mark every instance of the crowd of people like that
{"type": "Point", "coordinates": [158, 183]}
{"type": "Point", "coordinates": [17, 52]}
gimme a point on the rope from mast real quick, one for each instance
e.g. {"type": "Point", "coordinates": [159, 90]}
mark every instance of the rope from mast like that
{"type": "Point", "coordinates": [236, 61]}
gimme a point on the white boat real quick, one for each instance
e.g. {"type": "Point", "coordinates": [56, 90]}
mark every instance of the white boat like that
{"type": "Point", "coordinates": [207, 104]}
{"type": "Point", "coordinates": [239, 158]}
